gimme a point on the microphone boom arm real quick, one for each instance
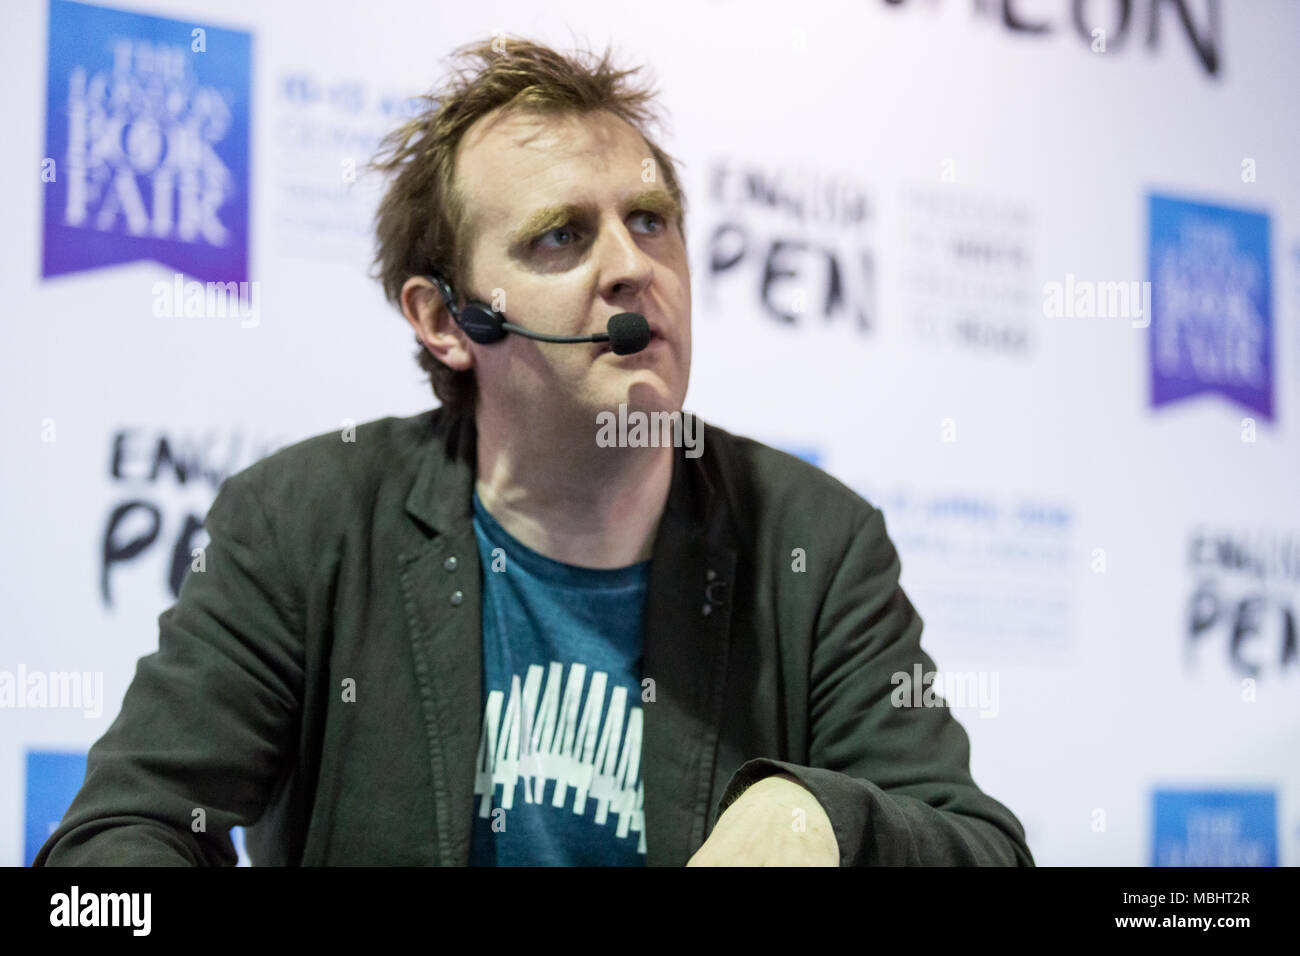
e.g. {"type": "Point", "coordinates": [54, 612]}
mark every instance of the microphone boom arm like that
{"type": "Point", "coordinates": [562, 339]}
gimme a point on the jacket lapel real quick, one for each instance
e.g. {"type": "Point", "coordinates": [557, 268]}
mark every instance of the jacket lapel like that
{"type": "Point", "coordinates": [440, 590]}
{"type": "Point", "coordinates": [687, 636]}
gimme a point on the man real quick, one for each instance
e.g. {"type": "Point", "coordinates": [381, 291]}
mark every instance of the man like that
{"type": "Point", "coordinates": [483, 636]}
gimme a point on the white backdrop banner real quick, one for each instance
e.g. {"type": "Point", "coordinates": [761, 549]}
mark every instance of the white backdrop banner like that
{"type": "Point", "coordinates": [1026, 275]}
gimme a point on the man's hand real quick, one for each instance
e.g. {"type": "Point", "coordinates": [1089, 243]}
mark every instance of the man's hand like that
{"type": "Point", "coordinates": [776, 822]}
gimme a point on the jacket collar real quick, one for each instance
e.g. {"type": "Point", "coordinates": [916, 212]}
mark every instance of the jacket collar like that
{"type": "Point", "coordinates": [684, 656]}
{"type": "Point", "coordinates": [442, 496]}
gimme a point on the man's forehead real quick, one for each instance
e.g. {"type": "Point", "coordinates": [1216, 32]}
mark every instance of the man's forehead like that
{"type": "Point", "coordinates": [511, 161]}
{"type": "Point", "coordinates": [521, 128]}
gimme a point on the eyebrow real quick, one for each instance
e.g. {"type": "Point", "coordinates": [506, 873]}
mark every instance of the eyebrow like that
{"type": "Point", "coordinates": [551, 217]}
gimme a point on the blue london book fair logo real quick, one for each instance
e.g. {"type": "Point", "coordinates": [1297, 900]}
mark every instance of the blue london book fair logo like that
{"type": "Point", "coordinates": [1215, 828]}
{"type": "Point", "coordinates": [146, 143]}
{"type": "Point", "coordinates": [1211, 303]}
{"type": "Point", "coordinates": [53, 779]}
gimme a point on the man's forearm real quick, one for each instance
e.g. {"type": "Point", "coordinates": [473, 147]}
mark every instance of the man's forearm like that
{"type": "Point", "coordinates": [124, 841]}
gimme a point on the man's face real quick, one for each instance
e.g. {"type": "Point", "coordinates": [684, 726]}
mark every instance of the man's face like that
{"type": "Point", "coordinates": [564, 224]}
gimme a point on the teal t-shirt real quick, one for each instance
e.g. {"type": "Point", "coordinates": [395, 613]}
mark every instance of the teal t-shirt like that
{"type": "Point", "coordinates": [558, 776]}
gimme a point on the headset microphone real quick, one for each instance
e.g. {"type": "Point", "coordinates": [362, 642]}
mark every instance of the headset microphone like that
{"type": "Point", "coordinates": [628, 332]}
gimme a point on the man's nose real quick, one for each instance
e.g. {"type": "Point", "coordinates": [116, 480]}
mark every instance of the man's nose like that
{"type": "Point", "coordinates": [625, 267]}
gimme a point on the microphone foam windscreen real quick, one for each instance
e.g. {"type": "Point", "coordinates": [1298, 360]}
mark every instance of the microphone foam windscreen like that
{"type": "Point", "coordinates": [629, 332]}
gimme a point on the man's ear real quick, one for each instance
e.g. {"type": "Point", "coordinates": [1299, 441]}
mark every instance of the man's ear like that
{"type": "Point", "coordinates": [424, 308]}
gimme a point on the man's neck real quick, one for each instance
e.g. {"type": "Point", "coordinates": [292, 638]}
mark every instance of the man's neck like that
{"type": "Point", "coordinates": [562, 495]}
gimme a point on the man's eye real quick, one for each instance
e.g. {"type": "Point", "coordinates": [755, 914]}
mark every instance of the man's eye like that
{"type": "Point", "coordinates": [558, 231]}
{"type": "Point", "coordinates": [654, 217]}
{"type": "Point", "coordinates": [562, 236]}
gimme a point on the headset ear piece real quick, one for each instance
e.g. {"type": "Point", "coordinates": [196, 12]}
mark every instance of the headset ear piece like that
{"type": "Point", "coordinates": [481, 324]}
{"type": "Point", "coordinates": [448, 297]}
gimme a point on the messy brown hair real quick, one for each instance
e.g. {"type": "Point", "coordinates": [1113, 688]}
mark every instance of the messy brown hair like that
{"type": "Point", "coordinates": [420, 226]}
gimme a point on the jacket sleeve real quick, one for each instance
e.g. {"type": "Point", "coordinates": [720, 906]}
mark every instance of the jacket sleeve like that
{"type": "Point", "coordinates": [894, 780]}
{"type": "Point", "coordinates": [209, 720]}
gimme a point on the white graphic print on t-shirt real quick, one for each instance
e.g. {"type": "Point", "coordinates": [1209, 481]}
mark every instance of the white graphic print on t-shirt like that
{"type": "Point", "coordinates": [541, 737]}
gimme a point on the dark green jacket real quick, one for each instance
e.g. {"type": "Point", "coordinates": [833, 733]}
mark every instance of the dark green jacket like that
{"type": "Point", "coordinates": [336, 560]}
